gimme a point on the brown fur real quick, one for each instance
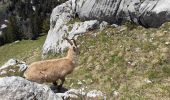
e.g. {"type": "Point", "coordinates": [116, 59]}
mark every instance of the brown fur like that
{"type": "Point", "coordinates": [51, 70]}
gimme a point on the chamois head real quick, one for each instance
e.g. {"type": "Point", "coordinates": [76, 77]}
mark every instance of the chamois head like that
{"type": "Point", "coordinates": [73, 45]}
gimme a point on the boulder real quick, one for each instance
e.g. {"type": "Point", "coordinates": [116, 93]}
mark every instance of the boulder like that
{"type": "Point", "coordinates": [17, 88]}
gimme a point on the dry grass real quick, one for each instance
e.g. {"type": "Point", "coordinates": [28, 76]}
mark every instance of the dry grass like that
{"type": "Point", "coordinates": [131, 61]}
{"type": "Point", "coordinates": [26, 50]}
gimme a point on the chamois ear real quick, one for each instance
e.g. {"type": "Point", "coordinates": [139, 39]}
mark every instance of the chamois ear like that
{"type": "Point", "coordinates": [68, 40]}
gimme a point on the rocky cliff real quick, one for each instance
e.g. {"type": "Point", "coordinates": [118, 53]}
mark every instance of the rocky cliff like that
{"type": "Point", "coordinates": [148, 13]}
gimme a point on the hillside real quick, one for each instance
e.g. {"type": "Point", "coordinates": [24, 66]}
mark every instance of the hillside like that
{"type": "Point", "coordinates": [26, 50]}
{"type": "Point", "coordinates": [126, 62]}
{"type": "Point", "coordinates": [124, 48]}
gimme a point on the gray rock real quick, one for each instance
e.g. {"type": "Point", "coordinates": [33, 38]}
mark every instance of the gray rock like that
{"type": "Point", "coordinates": [82, 27]}
{"type": "Point", "coordinates": [96, 94]}
{"type": "Point", "coordinates": [17, 88]}
{"type": "Point", "coordinates": [72, 94]}
{"type": "Point", "coordinates": [153, 13]}
{"type": "Point", "coordinates": [10, 62]}
{"type": "Point", "coordinates": [13, 67]}
{"type": "Point", "coordinates": [57, 44]}
{"type": "Point", "coordinates": [106, 10]}
{"type": "Point", "coordinates": [60, 16]}
{"type": "Point", "coordinates": [21, 64]}
{"type": "Point", "coordinates": [148, 13]}
{"type": "Point", "coordinates": [103, 25]}
{"type": "Point", "coordinates": [114, 25]}
{"type": "Point", "coordinates": [3, 26]}
{"type": "Point", "coordinates": [82, 94]}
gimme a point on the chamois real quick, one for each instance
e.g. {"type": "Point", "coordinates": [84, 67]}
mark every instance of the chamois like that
{"type": "Point", "coordinates": [54, 69]}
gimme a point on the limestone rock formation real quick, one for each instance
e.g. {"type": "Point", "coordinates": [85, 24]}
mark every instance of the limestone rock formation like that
{"type": "Point", "coordinates": [60, 16]}
{"type": "Point", "coordinates": [148, 13]}
{"type": "Point", "coordinates": [59, 28]}
{"type": "Point", "coordinates": [17, 88]}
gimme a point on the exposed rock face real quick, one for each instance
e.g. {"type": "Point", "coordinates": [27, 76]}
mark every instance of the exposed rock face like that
{"type": "Point", "coordinates": [61, 15]}
{"type": "Point", "coordinates": [148, 13]}
{"type": "Point", "coordinates": [82, 27]}
{"type": "Point", "coordinates": [57, 44]}
{"type": "Point", "coordinates": [153, 13]}
{"type": "Point", "coordinates": [17, 88]}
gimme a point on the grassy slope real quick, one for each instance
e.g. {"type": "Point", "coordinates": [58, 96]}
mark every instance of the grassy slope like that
{"type": "Point", "coordinates": [26, 50]}
{"type": "Point", "coordinates": [117, 59]}
{"type": "Point", "coordinates": [122, 60]}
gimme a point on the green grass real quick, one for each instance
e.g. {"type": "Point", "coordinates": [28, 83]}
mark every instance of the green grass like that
{"type": "Point", "coordinates": [26, 50]}
{"type": "Point", "coordinates": [123, 60]}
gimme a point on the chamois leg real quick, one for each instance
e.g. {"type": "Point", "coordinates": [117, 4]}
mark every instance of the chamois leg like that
{"type": "Point", "coordinates": [62, 82]}
{"type": "Point", "coordinates": [54, 87]}
{"type": "Point", "coordinates": [55, 83]}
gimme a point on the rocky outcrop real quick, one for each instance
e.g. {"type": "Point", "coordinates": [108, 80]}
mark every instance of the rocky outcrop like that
{"type": "Point", "coordinates": [56, 43]}
{"type": "Point", "coordinates": [17, 88]}
{"type": "Point", "coordinates": [13, 67]}
{"type": "Point", "coordinates": [148, 13]}
{"type": "Point", "coordinates": [59, 28]}
{"type": "Point", "coordinates": [153, 13]}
